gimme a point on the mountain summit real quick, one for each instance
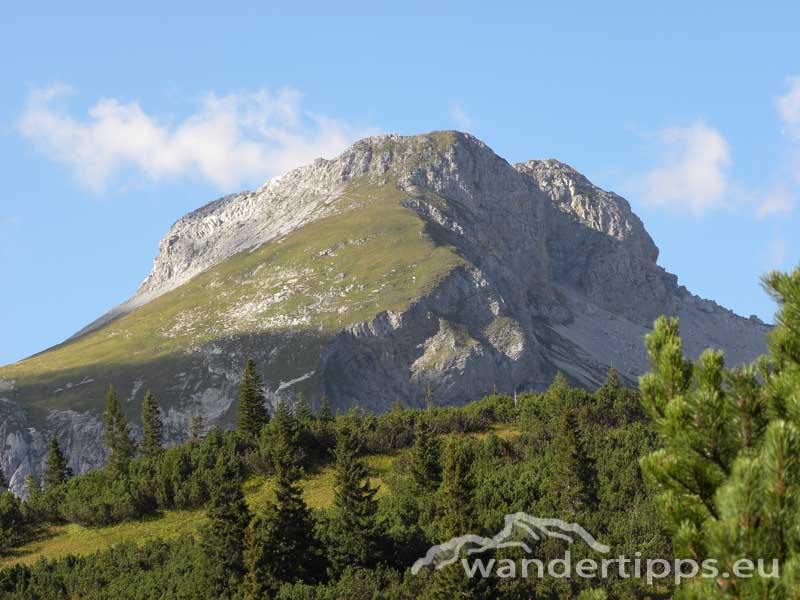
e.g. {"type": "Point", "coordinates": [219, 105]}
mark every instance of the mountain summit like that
{"type": "Point", "coordinates": [403, 263]}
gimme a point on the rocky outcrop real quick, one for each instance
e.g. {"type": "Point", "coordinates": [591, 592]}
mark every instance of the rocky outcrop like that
{"type": "Point", "coordinates": [548, 272]}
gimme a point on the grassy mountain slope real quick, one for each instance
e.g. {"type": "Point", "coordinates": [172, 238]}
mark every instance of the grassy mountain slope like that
{"type": "Point", "coordinates": [374, 255]}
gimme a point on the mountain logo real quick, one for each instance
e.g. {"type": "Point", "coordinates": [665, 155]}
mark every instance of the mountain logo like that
{"type": "Point", "coordinates": [532, 528]}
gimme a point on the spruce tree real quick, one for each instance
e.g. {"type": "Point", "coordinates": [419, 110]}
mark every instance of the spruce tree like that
{"type": "Point", "coordinates": [325, 413]}
{"type": "Point", "coordinates": [253, 413]}
{"type": "Point", "coordinates": [354, 526]}
{"type": "Point", "coordinates": [425, 464]}
{"type": "Point", "coordinates": [222, 538]}
{"type": "Point", "coordinates": [118, 438]}
{"type": "Point", "coordinates": [280, 545]}
{"type": "Point", "coordinates": [33, 491]}
{"type": "Point", "coordinates": [455, 518]}
{"type": "Point", "coordinates": [56, 470]}
{"type": "Point", "coordinates": [151, 427]}
{"type": "Point", "coordinates": [285, 450]}
{"type": "Point", "coordinates": [303, 411]}
{"type": "Point", "coordinates": [568, 492]}
{"type": "Point", "coordinates": [454, 504]}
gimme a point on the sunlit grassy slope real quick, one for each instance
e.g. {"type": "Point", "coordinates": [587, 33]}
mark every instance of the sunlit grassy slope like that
{"type": "Point", "coordinates": [373, 255]}
{"type": "Point", "coordinates": [318, 492]}
{"type": "Point", "coordinates": [62, 540]}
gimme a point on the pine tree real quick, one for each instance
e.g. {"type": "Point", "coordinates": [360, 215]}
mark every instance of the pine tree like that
{"type": "Point", "coordinates": [354, 527]}
{"type": "Point", "coordinates": [222, 538]}
{"type": "Point", "coordinates": [425, 464]}
{"type": "Point", "coordinates": [3, 481]}
{"type": "Point", "coordinates": [727, 474]}
{"type": "Point", "coordinates": [280, 544]}
{"type": "Point", "coordinates": [56, 470]}
{"type": "Point", "coordinates": [253, 413]}
{"type": "Point", "coordinates": [151, 427]}
{"type": "Point", "coordinates": [118, 438]}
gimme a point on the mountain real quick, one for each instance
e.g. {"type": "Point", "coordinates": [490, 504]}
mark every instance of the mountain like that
{"type": "Point", "coordinates": [403, 263]}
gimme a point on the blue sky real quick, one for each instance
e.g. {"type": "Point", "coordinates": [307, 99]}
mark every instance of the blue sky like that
{"type": "Point", "coordinates": [114, 124]}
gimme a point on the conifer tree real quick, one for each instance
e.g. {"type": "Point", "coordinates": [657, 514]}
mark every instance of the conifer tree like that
{"type": "Point", "coordinates": [279, 543]}
{"type": "Point", "coordinates": [151, 427]}
{"type": "Point", "coordinates": [454, 503]}
{"type": "Point", "coordinates": [354, 527]}
{"type": "Point", "coordinates": [425, 456]}
{"type": "Point", "coordinates": [3, 480]}
{"type": "Point", "coordinates": [560, 384]}
{"type": "Point", "coordinates": [118, 438]}
{"type": "Point", "coordinates": [303, 412]}
{"type": "Point", "coordinates": [569, 484]}
{"type": "Point", "coordinates": [325, 413]}
{"type": "Point", "coordinates": [56, 470]}
{"type": "Point", "coordinates": [222, 538]}
{"type": "Point", "coordinates": [455, 518]}
{"type": "Point", "coordinates": [285, 451]}
{"type": "Point", "coordinates": [253, 413]}
{"type": "Point", "coordinates": [728, 470]}
{"type": "Point", "coordinates": [33, 491]}
{"type": "Point", "coordinates": [612, 379]}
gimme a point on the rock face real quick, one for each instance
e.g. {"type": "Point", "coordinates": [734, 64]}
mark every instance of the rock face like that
{"type": "Point", "coordinates": [406, 262]}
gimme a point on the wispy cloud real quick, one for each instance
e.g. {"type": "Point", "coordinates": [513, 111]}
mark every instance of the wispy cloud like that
{"type": "Point", "coordinates": [692, 173]}
{"type": "Point", "coordinates": [460, 118]}
{"type": "Point", "coordinates": [230, 140]}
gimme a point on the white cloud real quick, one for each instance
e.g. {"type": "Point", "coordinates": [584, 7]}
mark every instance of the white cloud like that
{"type": "Point", "coordinates": [789, 108]}
{"type": "Point", "coordinates": [231, 140]}
{"type": "Point", "coordinates": [462, 120]}
{"type": "Point", "coordinates": [692, 174]}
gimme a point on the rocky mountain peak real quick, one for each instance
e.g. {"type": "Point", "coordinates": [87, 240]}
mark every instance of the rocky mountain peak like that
{"type": "Point", "coordinates": [405, 262]}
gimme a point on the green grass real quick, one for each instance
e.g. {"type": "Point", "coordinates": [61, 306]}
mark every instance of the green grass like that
{"type": "Point", "coordinates": [318, 492]}
{"type": "Point", "coordinates": [61, 540]}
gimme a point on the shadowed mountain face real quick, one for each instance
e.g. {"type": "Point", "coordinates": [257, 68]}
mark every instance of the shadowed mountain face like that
{"type": "Point", "coordinates": [403, 263]}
